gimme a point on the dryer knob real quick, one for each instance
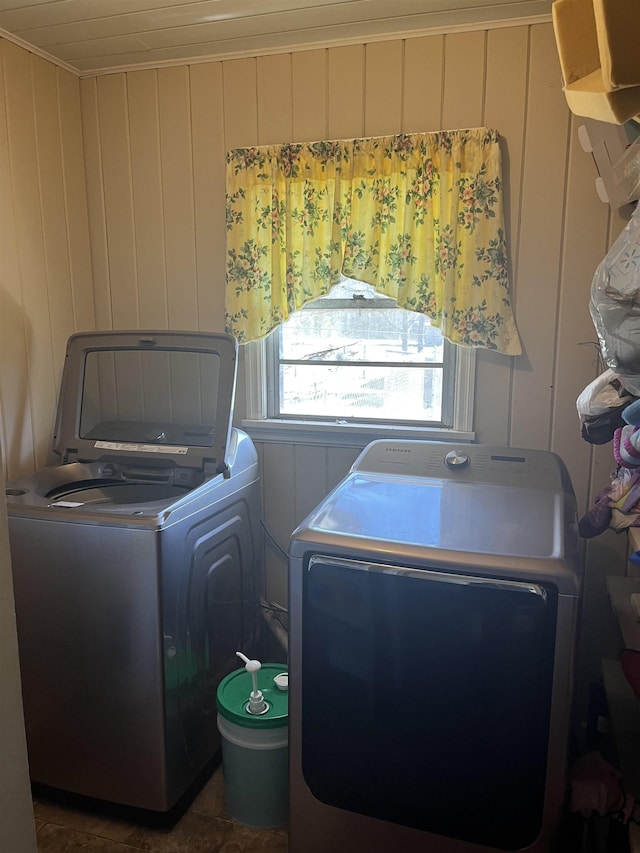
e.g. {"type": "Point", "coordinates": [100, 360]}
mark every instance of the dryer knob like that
{"type": "Point", "coordinates": [454, 459]}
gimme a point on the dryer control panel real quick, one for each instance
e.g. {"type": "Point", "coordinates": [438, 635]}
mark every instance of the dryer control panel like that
{"type": "Point", "coordinates": [469, 463]}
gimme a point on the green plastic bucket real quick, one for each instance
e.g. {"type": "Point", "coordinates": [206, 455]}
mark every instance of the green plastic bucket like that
{"type": "Point", "coordinates": [255, 748]}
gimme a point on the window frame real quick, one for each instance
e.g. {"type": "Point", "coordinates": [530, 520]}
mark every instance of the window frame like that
{"type": "Point", "coordinates": [261, 427]}
{"type": "Point", "coordinates": [274, 361]}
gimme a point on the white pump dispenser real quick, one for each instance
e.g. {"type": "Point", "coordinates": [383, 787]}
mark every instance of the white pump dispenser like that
{"type": "Point", "coordinates": [256, 703]}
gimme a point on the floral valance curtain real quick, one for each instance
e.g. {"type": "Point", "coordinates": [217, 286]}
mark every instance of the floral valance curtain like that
{"type": "Point", "coordinates": [418, 216]}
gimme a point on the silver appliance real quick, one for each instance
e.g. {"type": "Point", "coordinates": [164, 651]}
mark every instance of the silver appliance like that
{"type": "Point", "coordinates": [434, 596]}
{"type": "Point", "coordinates": [135, 563]}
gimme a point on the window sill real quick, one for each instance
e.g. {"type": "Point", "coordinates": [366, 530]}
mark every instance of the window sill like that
{"type": "Point", "coordinates": [334, 434]}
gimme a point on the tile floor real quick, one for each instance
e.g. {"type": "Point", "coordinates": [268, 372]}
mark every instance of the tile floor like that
{"type": "Point", "coordinates": [67, 825]}
{"type": "Point", "coordinates": [205, 827]}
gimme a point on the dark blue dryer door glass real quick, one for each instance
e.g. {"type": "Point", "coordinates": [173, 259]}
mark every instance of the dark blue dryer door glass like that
{"type": "Point", "coordinates": [426, 698]}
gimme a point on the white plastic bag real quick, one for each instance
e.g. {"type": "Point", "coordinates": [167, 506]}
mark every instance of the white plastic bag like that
{"type": "Point", "coordinates": [601, 395]}
{"type": "Point", "coordinates": [615, 305]}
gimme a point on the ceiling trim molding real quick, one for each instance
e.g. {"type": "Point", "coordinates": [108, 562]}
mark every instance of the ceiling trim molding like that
{"type": "Point", "coordinates": [317, 45]}
{"type": "Point", "coordinates": [294, 47]}
{"type": "Point", "coordinates": [31, 48]}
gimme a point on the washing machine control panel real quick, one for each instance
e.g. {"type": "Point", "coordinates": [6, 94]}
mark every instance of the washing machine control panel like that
{"type": "Point", "coordinates": [133, 472]}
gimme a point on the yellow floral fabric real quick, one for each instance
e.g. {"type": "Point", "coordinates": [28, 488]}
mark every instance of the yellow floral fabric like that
{"type": "Point", "coordinates": [418, 216]}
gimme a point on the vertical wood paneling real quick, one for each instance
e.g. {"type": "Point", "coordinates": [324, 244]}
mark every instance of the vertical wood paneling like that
{"type": "Point", "coordinates": [96, 207]}
{"type": "Point", "coordinates": [279, 511]}
{"type": "Point", "coordinates": [240, 103]}
{"type": "Point", "coordinates": [538, 259]}
{"type": "Point", "coordinates": [504, 110]}
{"type": "Point", "coordinates": [505, 104]}
{"type": "Point", "coordinates": [25, 175]}
{"type": "Point", "coordinates": [311, 479]}
{"type": "Point", "coordinates": [309, 95]}
{"type": "Point", "coordinates": [417, 84]}
{"type": "Point", "coordinates": [339, 460]}
{"type": "Point", "coordinates": [154, 144]}
{"type": "Point", "coordinates": [54, 219]}
{"type": "Point", "coordinates": [577, 363]}
{"type": "Point", "coordinates": [17, 435]}
{"type": "Point", "coordinates": [78, 246]}
{"type": "Point", "coordinates": [265, 545]}
{"type": "Point", "coordinates": [278, 463]}
{"type": "Point", "coordinates": [463, 92]}
{"type": "Point", "coordinates": [118, 201]}
{"type": "Point", "coordinates": [274, 99]}
{"type": "Point", "coordinates": [383, 88]}
{"type": "Point", "coordinates": [207, 109]}
{"type": "Point", "coordinates": [146, 171]}
{"type": "Point", "coordinates": [275, 124]}
{"type": "Point", "coordinates": [423, 76]}
{"type": "Point", "coordinates": [177, 188]}
{"type": "Point", "coordinates": [45, 270]}
{"type": "Point", "coordinates": [345, 92]}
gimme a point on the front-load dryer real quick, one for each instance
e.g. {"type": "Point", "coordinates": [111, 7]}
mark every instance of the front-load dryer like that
{"type": "Point", "coordinates": [135, 561]}
{"type": "Point", "coordinates": [433, 604]}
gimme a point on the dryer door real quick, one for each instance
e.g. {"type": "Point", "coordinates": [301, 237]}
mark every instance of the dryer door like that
{"type": "Point", "coordinates": [426, 698]}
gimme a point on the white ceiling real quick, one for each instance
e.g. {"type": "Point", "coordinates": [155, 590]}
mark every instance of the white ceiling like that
{"type": "Point", "coordinates": [94, 36]}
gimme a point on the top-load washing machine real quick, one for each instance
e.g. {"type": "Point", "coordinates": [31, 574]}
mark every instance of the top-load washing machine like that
{"type": "Point", "coordinates": [434, 596]}
{"type": "Point", "coordinates": [135, 561]}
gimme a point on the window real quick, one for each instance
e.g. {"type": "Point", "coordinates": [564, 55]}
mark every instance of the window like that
{"type": "Point", "coordinates": [353, 359]}
{"type": "Point", "coordinates": [354, 355]}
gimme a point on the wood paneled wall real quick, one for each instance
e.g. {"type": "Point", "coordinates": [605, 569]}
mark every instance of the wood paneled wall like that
{"type": "Point", "coordinates": [45, 265]}
{"type": "Point", "coordinates": [154, 143]}
{"type": "Point", "coordinates": [154, 147]}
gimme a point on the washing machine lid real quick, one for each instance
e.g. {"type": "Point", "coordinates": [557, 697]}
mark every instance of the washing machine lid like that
{"type": "Point", "coordinates": [156, 396]}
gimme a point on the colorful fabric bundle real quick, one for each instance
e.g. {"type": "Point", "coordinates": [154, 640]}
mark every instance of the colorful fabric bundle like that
{"type": "Point", "coordinates": [626, 446]}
